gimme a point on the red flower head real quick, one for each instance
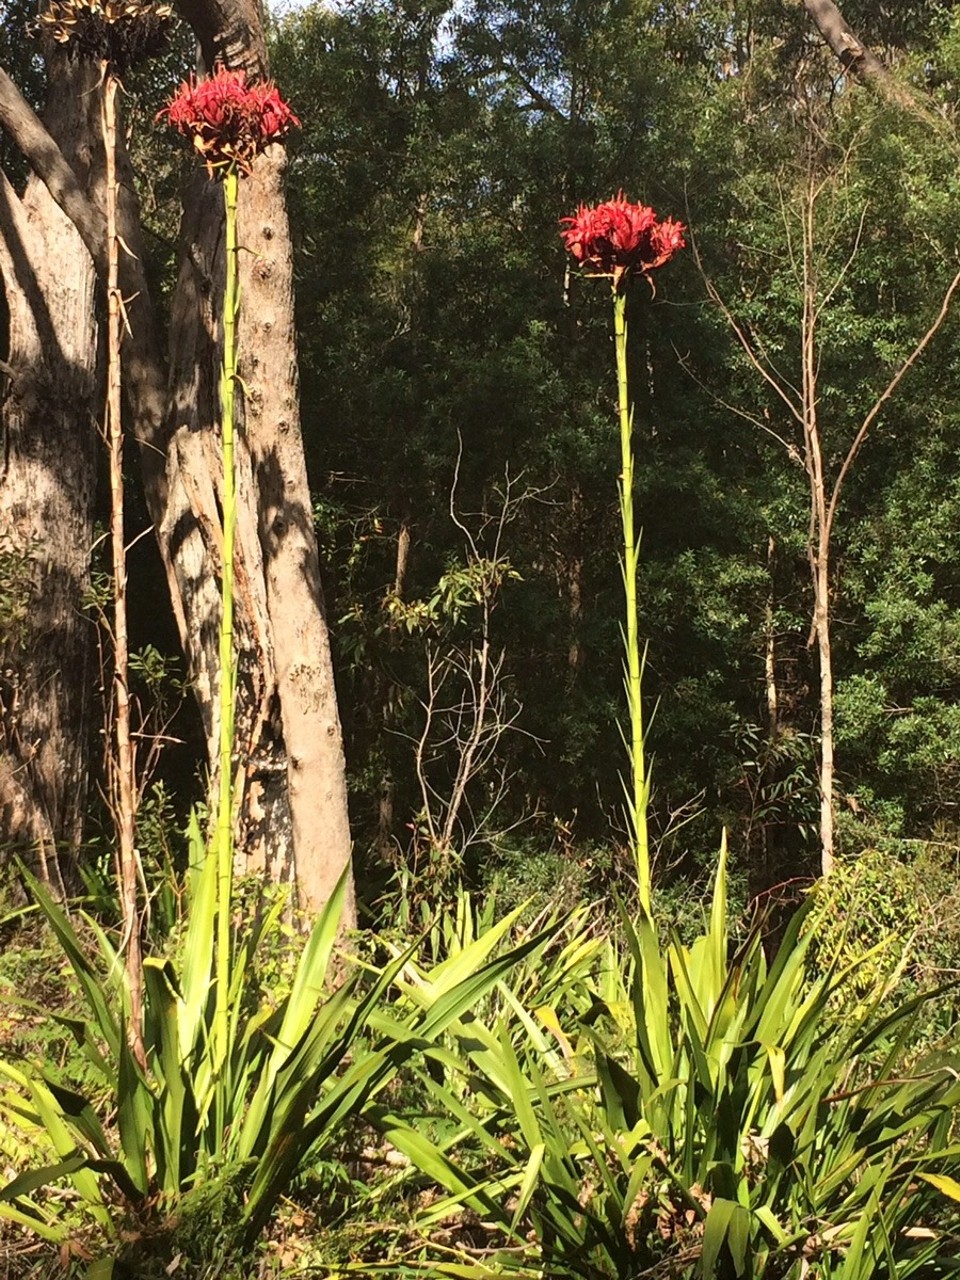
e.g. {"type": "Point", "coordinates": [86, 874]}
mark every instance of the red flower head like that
{"type": "Point", "coordinates": [618, 238]}
{"type": "Point", "coordinates": [229, 121]}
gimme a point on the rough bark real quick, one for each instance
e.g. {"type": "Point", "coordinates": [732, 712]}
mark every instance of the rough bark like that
{"type": "Point", "coordinates": [293, 820]}
{"type": "Point", "coordinates": [573, 570]}
{"type": "Point", "coordinates": [302, 664]}
{"type": "Point", "coordinates": [855, 57]}
{"type": "Point", "coordinates": [191, 530]}
{"type": "Point", "coordinates": [860, 62]}
{"type": "Point", "coordinates": [294, 817]}
{"type": "Point", "coordinates": [47, 477]}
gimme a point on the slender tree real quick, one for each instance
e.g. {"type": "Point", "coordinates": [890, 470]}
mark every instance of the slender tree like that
{"type": "Point", "coordinates": [817, 285]}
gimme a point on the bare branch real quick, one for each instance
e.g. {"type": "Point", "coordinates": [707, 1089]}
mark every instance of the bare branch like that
{"type": "Point", "coordinates": [538, 100]}
{"type": "Point", "coordinates": [754, 419]}
{"type": "Point", "coordinates": [788, 232]}
{"type": "Point", "coordinates": [842, 273]}
{"type": "Point", "coordinates": [426, 792]}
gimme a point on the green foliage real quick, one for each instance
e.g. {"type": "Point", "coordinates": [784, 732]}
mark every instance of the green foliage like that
{"type": "Point", "coordinates": [448, 313]}
{"type": "Point", "coordinates": [888, 916]}
{"type": "Point", "coordinates": [865, 917]}
{"type": "Point", "coordinates": [706, 1113]}
{"type": "Point", "coordinates": [159, 672]}
{"type": "Point", "coordinates": [525, 868]}
{"type": "Point", "coordinates": [192, 1114]}
{"type": "Point", "coordinates": [461, 588]}
{"type": "Point", "coordinates": [296, 1066]}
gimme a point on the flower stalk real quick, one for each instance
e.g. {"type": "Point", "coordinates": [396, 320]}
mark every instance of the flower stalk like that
{"type": "Point", "coordinates": [123, 788]}
{"type": "Point", "coordinates": [638, 787]}
{"type": "Point", "coordinates": [618, 240]}
{"type": "Point", "coordinates": [115, 36]}
{"type": "Point", "coordinates": [228, 669]}
{"type": "Point", "coordinates": [229, 124]}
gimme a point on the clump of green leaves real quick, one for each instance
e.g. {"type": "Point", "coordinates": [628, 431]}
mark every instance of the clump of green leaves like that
{"type": "Point", "coordinates": [461, 588]}
{"type": "Point", "coordinates": [204, 1112]}
{"type": "Point", "coordinates": [864, 916]}
{"type": "Point", "coordinates": [703, 1113]}
{"type": "Point", "coordinates": [888, 917]}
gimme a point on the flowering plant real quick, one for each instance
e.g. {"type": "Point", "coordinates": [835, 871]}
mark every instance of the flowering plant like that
{"type": "Point", "coordinates": [229, 121]}
{"type": "Point", "coordinates": [619, 239]}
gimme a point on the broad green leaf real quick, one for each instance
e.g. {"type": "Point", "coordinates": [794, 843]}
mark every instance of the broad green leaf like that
{"type": "Point", "coordinates": [430, 1160]}
{"type": "Point", "coordinates": [738, 1238]}
{"type": "Point", "coordinates": [949, 1186]}
{"type": "Point", "coordinates": [90, 981]}
{"type": "Point", "coordinates": [777, 1061]}
{"type": "Point", "coordinates": [80, 1114]}
{"type": "Point", "coordinates": [134, 1117]}
{"type": "Point", "coordinates": [100, 1269]}
{"type": "Point", "coordinates": [518, 1090]}
{"type": "Point", "coordinates": [117, 1171]}
{"type": "Point", "coordinates": [176, 1109]}
{"type": "Point", "coordinates": [651, 1001]}
{"type": "Point", "coordinates": [765, 1215]}
{"type": "Point", "coordinates": [65, 1144]}
{"type": "Point", "coordinates": [198, 950]}
{"type": "Point", "coordinates": [715, 1232]}
{"type": "Point", "coordinates": [45, 1228]}
{"type": "Point", "coordinates": [311, 974]}
{"type": "Point", "coordinates": [35, 1179]}
{"type": "Point", "coordinates": [642, 1165]}
{"type": "Point", "coordinates": [463, 966]}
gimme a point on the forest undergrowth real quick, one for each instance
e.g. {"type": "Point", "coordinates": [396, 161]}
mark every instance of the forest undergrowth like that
{"type": "Point", "coordinates": [516, 1143]}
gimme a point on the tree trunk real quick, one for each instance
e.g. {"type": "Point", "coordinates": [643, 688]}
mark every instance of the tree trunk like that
{"type": "Point", "coordinates": [573, 571]}
{"type": "Point", "coordinates": [822, 625]}
{"type": "Point", "coordinates": [303, 666]}
{"type": "Point", "coordinates": [191, 533]}
{"type": "Point", "coordinates": [47, 482]}
{"type": "Point", "coordinates": [770, 644]}
{"type": "Point", "coordinates": [293, 819]}
{"type": "Point", "coordinates": [854, 55]}
{"type": "Point", "coordinates": [863, 64]}
{"type": "Point", "coordinates": [818, 536]}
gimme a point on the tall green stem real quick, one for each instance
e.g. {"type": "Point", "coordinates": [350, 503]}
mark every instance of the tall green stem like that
{"type": "Point", "coordinates": [224, 832]}
{"type": "Point", "coordinates": [637, 791]}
